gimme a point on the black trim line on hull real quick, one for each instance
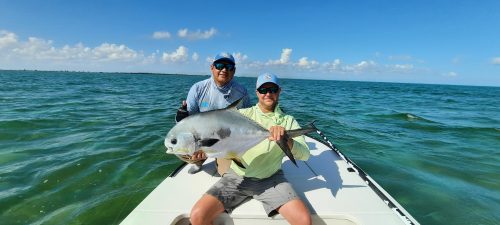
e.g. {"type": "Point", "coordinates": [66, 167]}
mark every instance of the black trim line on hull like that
{"type": "Point", "coordinates": [364, 176]}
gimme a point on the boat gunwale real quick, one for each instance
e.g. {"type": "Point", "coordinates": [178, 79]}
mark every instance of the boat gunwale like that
{"type": "Point", "coordinates": [385, 197]}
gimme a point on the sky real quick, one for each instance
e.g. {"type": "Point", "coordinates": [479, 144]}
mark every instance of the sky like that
{"type": "Point", "coordinates": [414, 41]}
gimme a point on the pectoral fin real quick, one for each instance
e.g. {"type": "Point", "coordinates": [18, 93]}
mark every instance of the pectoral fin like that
{"type": "Point", "coordinates": [207, 142]}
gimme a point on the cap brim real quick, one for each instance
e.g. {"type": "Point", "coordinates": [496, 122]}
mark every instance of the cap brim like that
{"type": "Point", "coordinates": [268, 82]}
{"type": "Point", "coordinates": [224, 60]}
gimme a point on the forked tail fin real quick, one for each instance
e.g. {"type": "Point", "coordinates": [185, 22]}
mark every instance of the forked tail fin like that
{"type": "Point", "coordinates": [307, 129]}
{"type": "Point", "coordinates": [291, 134]}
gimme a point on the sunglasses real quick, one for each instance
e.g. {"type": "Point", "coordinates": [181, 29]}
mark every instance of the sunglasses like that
{"type": "Point", "coordinates": [220, 66]}
{"type": "Point", "coordinates": [272, 90]}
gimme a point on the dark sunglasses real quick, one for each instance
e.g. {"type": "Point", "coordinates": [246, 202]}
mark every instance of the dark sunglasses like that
{"type": "Point", "coordinates": [220, 66]}
{"type": "Point", "coordinates": [272, 90]}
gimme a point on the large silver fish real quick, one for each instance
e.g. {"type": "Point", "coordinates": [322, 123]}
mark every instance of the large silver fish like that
{"type": "Point", "coordinates": [224, 133]}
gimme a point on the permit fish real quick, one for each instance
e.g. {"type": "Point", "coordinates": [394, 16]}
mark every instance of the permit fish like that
{"type": "Point", "coordinates": [223, 133]}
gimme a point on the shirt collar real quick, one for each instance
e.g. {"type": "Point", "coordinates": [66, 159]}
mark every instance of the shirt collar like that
{"type": "Point", "coordinates": [224, 88]}
{"type": "Point", "coordinates": [277, 111]}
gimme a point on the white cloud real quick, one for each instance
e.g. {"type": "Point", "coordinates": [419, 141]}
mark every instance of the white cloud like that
{"type": "Point", "coordinates": [363, 66]}
{"type": "Point", "coordinates": [107, 52]}
{"type": "Point", "coordinates": [195, 56]}
{"type": "Point", "coordinates": [182, 32]}
{"type": "Point", "coordinates": [161, 35]}
{"type": "Point", "coordinates": [285, 55]}
{"type": "Point", "coordinates": [403, 66]}
{"type": "Point", "coordinates": [36, 48]}
{"type": "Point", "coordinates": [284, 59]}
{"type": "Point", "coordinates": [40, 49]}
{"type": "Point", "coordinates": [495, 61]}
{"type": "Point", "coordinates": [38, 53]}
{"type": "Point", "coordinates": [149, 59]}
{"type": "Point", "coordinates": [240, 57]}
{"type": "Point", "coordinates": [7, 39]}
{"type": "Point", "coordinates": [180, 55]}
{"type": "Point", "coordinates": [196, 35]}
{"type": "Point", "coordinates": [338, 67]}
{"type": "Point", "coordinates": [451, 74]}
{"type": "Point", "coordinates": [307, 64]}
{"type": "Point", "coordinates": [366, 64]}
{"type": "Point", "coordinates": [334, 66]}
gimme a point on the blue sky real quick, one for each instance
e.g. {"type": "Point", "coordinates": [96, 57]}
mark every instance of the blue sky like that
{"type": "Point", "coordinates": [445, 42]}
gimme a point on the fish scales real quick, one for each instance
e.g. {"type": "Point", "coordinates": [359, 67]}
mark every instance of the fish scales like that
{"type": "Point", "coordinates": [223, 133]}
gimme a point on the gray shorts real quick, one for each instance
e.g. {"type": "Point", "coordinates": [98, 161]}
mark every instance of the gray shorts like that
{"type": "Point", "coordinates": [233, 190]}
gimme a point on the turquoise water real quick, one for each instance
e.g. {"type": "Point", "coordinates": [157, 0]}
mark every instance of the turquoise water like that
{"type": "Point", "coordinates": [86, 148]}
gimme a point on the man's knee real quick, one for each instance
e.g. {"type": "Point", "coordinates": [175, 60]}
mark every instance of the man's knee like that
{"type": "Point", "coordinates": [198, 216]}
{"type": "Point", "coordinates": [304, 219]}
{"type": "Point", "coordinates": [295, 212]}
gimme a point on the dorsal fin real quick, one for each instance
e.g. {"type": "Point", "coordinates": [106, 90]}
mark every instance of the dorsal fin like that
{"type": "Point", "coordinates": [235, 103]}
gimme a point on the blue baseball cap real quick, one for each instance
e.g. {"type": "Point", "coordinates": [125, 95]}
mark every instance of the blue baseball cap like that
{"type": "Point", "coordinates": [224, 56]}
{"type": "Point", "coordinates": [266, 78]}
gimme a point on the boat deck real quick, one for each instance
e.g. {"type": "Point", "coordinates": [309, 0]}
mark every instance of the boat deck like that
{"type": "Point", "coordinates": [331, 187]}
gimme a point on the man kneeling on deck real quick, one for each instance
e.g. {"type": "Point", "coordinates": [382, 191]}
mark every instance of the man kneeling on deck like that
{"type": "Point", "coordinates": [262, 178]}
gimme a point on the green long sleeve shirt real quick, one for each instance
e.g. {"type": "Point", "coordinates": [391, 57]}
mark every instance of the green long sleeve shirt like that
{"type": "Point", "coordinates": [264, 159]}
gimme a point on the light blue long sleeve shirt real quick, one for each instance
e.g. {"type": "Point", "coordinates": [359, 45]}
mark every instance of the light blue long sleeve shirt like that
{"type": "Point", "coordinates": [205, 96]}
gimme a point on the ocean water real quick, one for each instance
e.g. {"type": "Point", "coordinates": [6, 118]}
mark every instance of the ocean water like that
{"type": "Point", "coordinates": [86, 148]}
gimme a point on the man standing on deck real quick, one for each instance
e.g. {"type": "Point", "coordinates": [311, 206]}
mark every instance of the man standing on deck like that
{"type": "Point", "coordinates": [216, 92]}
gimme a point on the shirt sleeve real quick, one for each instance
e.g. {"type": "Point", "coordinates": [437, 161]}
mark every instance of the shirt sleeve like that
{"type": "Point", "coordinates": [300, 150]}
{"type": "Point", "coordinates": [192, 100]}
{"type": "Point", "coordinates": [246, 101]}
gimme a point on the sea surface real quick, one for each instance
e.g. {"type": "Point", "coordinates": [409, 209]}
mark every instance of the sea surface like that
{"type": "Point", "coordinates": [86, 148]}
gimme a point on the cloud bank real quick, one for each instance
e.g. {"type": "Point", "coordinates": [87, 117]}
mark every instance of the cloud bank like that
{"type": "Point", "coordinates": [35, 52]}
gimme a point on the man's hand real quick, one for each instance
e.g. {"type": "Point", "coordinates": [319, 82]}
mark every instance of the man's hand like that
{"type": "Point", "coordinates": [181, 112]}
{"type": "Point", "coordinates": [198, 156]}
{"type": "Point", "coordinates": [276, 133]}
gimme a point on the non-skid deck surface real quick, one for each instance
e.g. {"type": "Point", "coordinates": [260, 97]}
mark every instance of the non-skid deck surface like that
{"type": "Point", "coordinates": [333, 194]}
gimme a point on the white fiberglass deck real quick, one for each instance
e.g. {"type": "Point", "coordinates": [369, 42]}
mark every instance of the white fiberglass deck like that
{"type": "Point", "coordinates": [333, 193]}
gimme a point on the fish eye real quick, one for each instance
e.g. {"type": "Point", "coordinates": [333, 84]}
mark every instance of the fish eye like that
{"type": "Point", "coordinates": [173, 141]}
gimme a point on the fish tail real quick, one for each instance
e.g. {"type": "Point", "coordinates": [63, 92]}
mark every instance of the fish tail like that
{"type": "Point", "coordinates": [298, 132]}
{"type": "Point", "coordinates": [283, 143]}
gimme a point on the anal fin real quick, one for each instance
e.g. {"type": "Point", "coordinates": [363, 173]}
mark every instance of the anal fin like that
{"type": "Point", "coordinates": [238, 162]}
{"type": "Point", "coordinates": [284, 147]}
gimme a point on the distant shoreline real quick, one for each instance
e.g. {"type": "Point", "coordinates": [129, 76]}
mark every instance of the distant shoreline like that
{"type": "Point", "coordinates": [242, 76]}
{"type": "Point", "coordinates": [74, 71]}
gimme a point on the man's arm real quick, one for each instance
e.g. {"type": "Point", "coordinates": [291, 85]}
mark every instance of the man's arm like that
{"type": "Point", "coordinates": [192, 100]}
{"type": "Point", "coordinates": [246, 101]}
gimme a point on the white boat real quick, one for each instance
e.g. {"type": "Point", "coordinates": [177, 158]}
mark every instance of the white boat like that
{"type": "Point", "coordinates": [332, 186]}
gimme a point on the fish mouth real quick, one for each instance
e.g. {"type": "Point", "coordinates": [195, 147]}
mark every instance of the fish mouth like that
{"type": "Point", "coordinates": [169, 150]}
